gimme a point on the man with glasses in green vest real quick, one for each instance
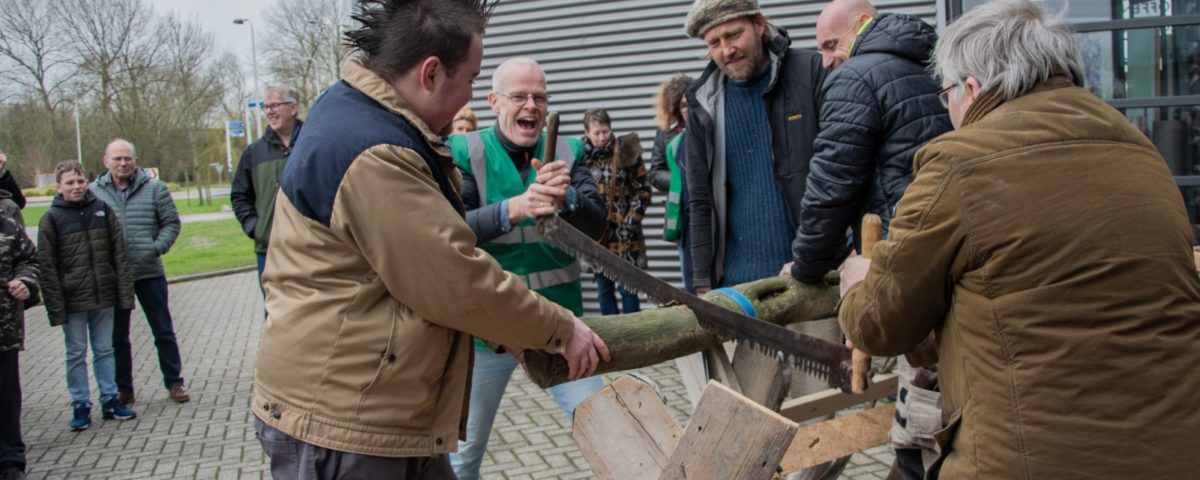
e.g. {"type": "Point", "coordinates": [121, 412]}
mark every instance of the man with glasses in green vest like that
{"type": "Point", "coordinates": [506, 185]}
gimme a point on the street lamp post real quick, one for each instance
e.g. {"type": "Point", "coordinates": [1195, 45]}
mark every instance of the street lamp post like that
{"type": "Point", "coordinates": [78, 134]}
{"type": "Point", "coordinates": [254, 59]}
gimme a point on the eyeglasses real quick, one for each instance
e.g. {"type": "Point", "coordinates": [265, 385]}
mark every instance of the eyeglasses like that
{"type": "Point", "coordinates": [273, 106]}
{"type": "Point", "coordinates": [944, 95]}
{"type": "Point", "coordinates": [519, 99]}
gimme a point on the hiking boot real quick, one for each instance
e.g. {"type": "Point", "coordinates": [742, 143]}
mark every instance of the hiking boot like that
{"type": "Point", "coordinates": [12, 473]}
{"type": "Point", "coordinates": [179, 393]}
{"type": "Point", "coordinates": [113, 409]}
{"type": "Point", "coordinates": [83, 416]}
{"type": "Point", "coordinates": [126, 398]}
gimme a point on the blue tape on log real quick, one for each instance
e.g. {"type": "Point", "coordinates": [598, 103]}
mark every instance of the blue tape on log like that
{"type": "Point", "coordinates": [741, 300]}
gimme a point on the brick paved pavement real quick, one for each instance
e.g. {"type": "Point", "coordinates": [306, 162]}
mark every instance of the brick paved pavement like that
{"type": "Point", "coordinates": [218, 321]}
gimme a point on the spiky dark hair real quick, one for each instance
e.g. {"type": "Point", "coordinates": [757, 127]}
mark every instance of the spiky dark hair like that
{"type": "Point", "coordinates": [396, 35]}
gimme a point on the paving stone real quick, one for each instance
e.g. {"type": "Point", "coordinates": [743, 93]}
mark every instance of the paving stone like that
{"type": "Point", "coordinates": [218, 322]}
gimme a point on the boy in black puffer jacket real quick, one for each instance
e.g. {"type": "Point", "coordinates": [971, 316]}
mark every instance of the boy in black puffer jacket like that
{"type": "Point", "coordinates": [84, 275]}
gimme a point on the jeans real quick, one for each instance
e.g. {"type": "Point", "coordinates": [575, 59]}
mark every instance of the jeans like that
{"type": "Point", "coordinates": [685, 263]}
{"type": "Point", "coordinates": [12, 449]}
{"type": "Point", "coordinates": [152, 295]}
{"type": "Point", "coordinates": [489, 379]}
{"type": "Point", "coordinates": [293, 459]}
{"type": "Point", "coordinates": [608, 298]}
{"type": "Point", "coordinates": [262, 263]}
{"type": "Point", "coordinates": [99, 323]}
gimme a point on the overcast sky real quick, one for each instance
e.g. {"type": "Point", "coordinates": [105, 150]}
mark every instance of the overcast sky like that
{"type": "Point", "coordinates": [217, 17]}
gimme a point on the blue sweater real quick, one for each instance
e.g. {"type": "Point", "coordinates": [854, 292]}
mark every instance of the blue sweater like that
{"type": "Point", "coordinates": [759, 233]}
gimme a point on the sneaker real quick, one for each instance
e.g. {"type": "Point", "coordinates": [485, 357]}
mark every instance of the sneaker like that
{"type": "Point", "coordinates": [126, 398]}
{"type": "Point", "coordinates": [12, 473]}
{"type": "Point", "coordinates": [83, 416]}
{"type": "Point", "coordinates": [179, 393]}
{"type": "Point", "coordinates": [115, 410]}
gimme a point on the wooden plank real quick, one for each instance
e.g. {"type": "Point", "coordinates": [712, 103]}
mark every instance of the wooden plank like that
{"type": "Point", "coordinates": [837, 438]}
{"type": "Point", "coordinates": [693, 375]}
{"type": "Point", "coordinates": [625, 431]}
{"type": "Point", "coordinates": [829, 401]}
{"type": "Point", "coordinates": [730, 436]}
{"type": "Point", "coordinates": [764, 378]}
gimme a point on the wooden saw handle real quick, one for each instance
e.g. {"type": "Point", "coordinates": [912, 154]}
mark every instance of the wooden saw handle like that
{"type": "Point", "coordinates": [551, 138]}
{"type": "Point", "coordinates": [860, 365]}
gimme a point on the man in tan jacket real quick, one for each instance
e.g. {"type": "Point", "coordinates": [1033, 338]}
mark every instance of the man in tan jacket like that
{"type": "Point", "coordinates": [1046, 245]}
{"type": "Point", "coordinates": [374, 284]}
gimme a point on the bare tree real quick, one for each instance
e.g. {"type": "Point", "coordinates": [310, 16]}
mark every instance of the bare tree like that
{"type": "Point", "coordinates": [109, 38]}
{"type": "Point", "coordinates": [305, 51]}
{"type": "Point", "coordinates": [31, 43]}
{"type": "Point", "coordinates": [33, 63]}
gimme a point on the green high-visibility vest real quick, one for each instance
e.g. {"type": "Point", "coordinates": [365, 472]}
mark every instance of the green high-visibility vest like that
{"type": "Point", "coordinates": [546, 270]}
{"type": "Point", "coordinates": [674, 192]}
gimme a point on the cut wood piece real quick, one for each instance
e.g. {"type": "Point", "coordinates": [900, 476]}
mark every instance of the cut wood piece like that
{"type": "Point", "coordinates": [764, 378]}
{"type": "Point", "coordinates": [837, 438]}
{"type": "Point", "coordinates": [829, 401]}
{"type": "Point", "coordinates": [625, 431]}
{"type": "Point", "coordinates": [730, 436]}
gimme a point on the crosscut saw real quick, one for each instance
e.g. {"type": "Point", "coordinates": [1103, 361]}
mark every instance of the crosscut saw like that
{"type": "Point", "coordinates": [821, 358]}
{"type": "Point", "coordinates": [815, 356]}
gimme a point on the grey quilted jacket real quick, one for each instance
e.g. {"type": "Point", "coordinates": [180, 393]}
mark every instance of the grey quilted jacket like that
{"type": "Point", "coordinates": [148, 217]}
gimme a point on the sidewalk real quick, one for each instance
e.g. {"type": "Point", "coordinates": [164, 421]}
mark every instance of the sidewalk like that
{"type": "Point", "coordinates": [194, 218]}
{"type": "Point", "coordinates": [218, 321]}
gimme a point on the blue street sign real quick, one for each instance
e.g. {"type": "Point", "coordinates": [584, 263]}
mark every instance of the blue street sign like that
{"type": "Point", "coordinates": [236, 128]}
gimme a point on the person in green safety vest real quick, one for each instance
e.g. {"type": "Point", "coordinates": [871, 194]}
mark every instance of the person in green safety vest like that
{"type": "Point", "coordinates": [506, 185]}
{"type": "Point", "coordinates": [671, 112]}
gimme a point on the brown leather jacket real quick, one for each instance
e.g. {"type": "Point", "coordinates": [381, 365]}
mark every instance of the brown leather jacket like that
{"type": "Point", "coordinates": [1046, 244]}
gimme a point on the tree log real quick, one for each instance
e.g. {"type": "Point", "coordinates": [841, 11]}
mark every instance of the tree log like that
{"type": "Point", "coordinates": [650, 337]}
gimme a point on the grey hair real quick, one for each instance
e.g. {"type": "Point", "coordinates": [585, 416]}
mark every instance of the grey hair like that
{"type": "Point", "coordinates": [288, 94]}
{"type": "Point", "coordinates": [508, 64]}
{"type": "Point", "coordinates": [1008, 46]}
{"type": "Point", "coordinates": [132, 149]}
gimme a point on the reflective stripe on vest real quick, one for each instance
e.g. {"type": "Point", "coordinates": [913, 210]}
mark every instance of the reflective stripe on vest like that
{"type": "Point", "coordinates": [478, 163]}
{"type": "Point", "coordinates": [520, 234]}
{"type": "Point", "coordinates": [550, 278]}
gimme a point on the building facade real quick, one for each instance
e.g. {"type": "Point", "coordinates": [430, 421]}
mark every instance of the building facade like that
{"type": "Point", "coordinates": [1143, 56]}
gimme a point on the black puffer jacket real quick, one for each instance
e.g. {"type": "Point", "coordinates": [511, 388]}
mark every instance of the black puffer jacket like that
{"type": "Point", "coordinates": [877, 109]}
{"type": "Point", "coordinates": [81, 250]}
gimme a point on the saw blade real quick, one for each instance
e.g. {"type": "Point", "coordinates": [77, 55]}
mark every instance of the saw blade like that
{"type": "Point", "coordinates": [815, 356]}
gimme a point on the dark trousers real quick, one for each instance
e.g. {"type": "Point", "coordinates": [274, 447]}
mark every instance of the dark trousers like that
{"type": "Point", "coordinates": [152, 295]}
{"type": "Point", "coordinates": [293, 459]}
{"type": "Point", "coordinates": [262, 263]}
{"type": "Point", "coordinates": [608, 298]}
{"type": "Point", "coordinates": [909, 463]}
{"type": "Point", "coordinates": [12, 449]}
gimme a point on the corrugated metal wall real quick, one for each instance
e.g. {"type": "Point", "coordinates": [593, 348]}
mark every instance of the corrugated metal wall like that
{"type": "Point", "coordinates": [612, 54]}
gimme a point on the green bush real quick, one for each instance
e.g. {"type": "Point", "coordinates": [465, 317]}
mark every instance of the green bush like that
{"type": "Point", "coordinates": [174, 187]}
{"type": "Point", "coordinates": [47, 191]}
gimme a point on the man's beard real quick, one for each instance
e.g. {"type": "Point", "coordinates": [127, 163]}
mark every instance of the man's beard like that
{"type": "Point", "coordinates": [750, 66]}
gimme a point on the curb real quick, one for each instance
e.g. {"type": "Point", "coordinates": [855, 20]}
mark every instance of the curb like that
{"type": "Point", "coordinates": [218, 273]}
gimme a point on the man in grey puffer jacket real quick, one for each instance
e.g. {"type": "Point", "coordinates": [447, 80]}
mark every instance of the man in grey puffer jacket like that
{"type": "Point", "coordinates": [151, 224]}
